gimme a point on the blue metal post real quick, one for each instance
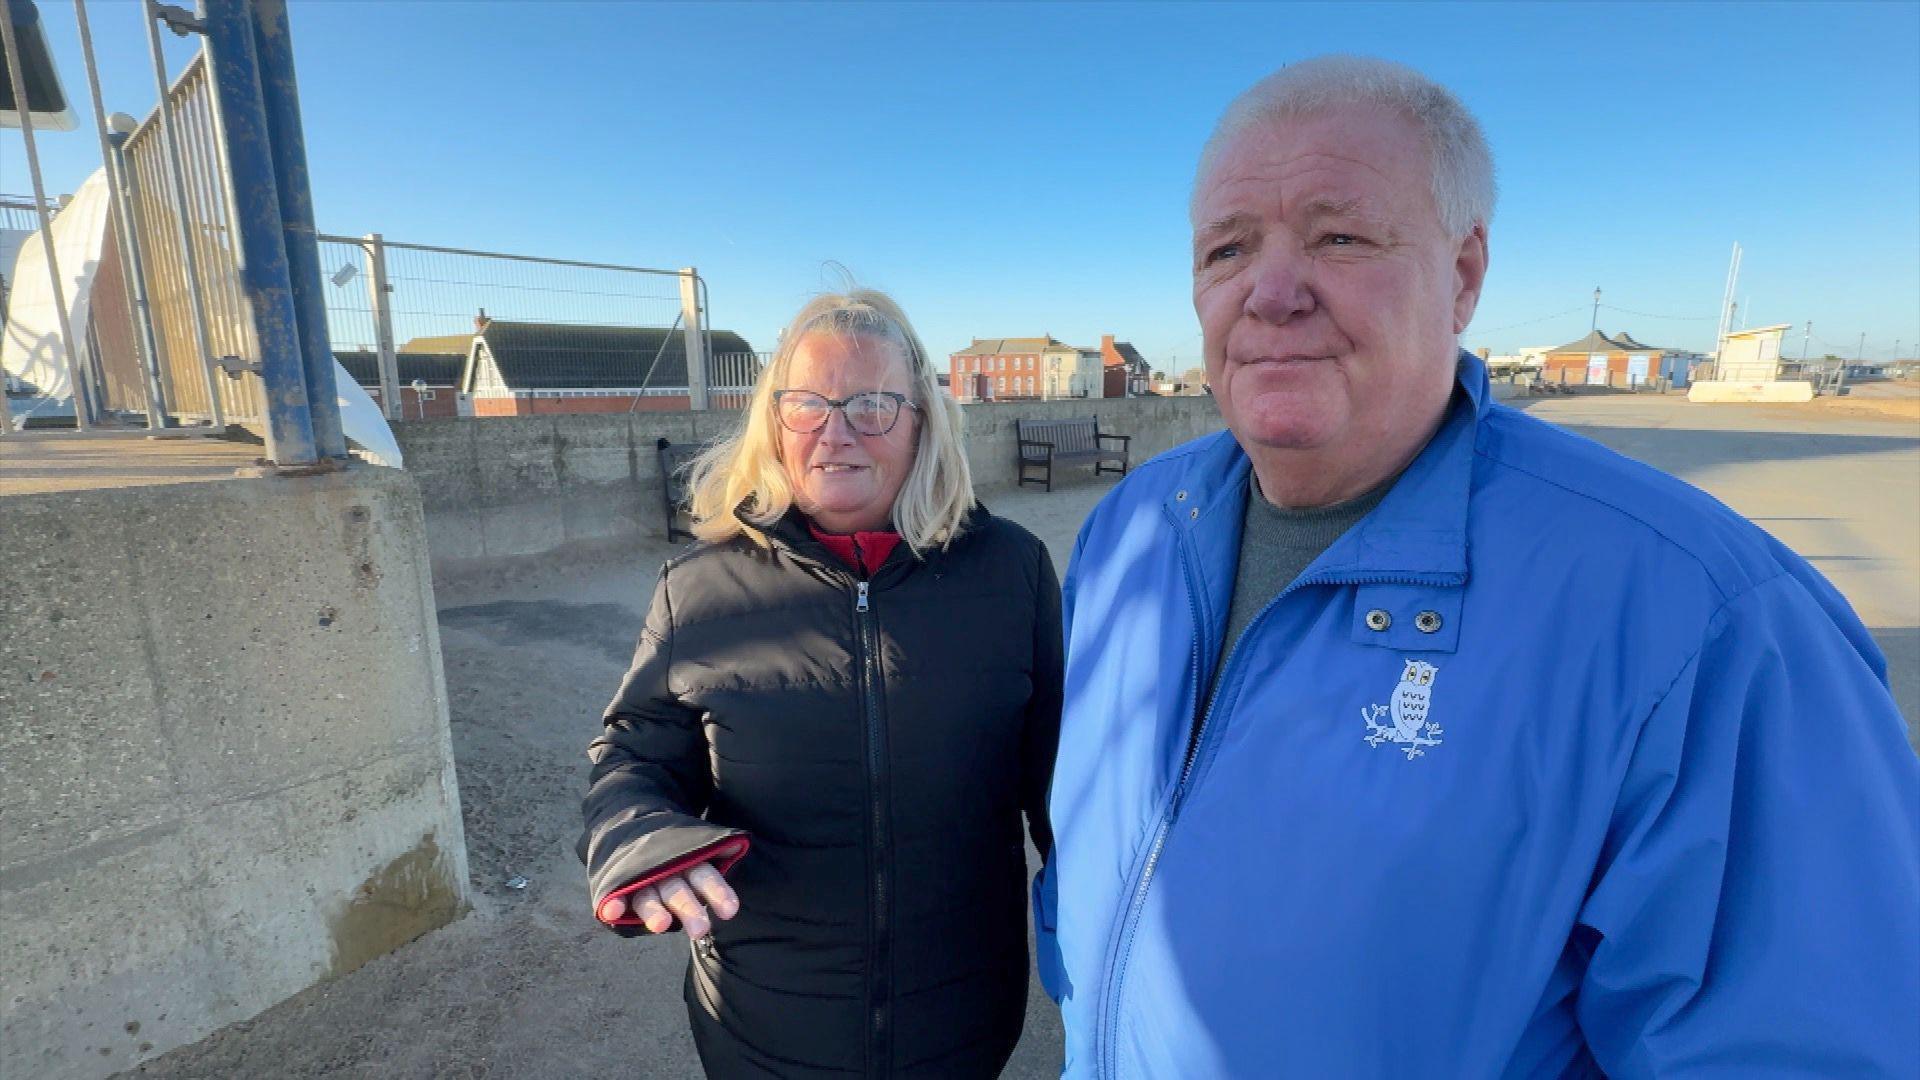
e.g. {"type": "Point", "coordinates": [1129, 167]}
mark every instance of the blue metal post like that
{"type": "Point", "coordinates": [273, 47]}
{"type": "Point", "coordinates": [261, 250]}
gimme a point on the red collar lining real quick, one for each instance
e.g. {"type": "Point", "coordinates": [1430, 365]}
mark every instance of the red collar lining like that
{"type": "Point", "coordinates": [861, 551]}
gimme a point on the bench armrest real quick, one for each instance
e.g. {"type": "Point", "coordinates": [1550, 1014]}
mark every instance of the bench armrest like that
{"type": "Point", "coordinates": [1035, 443]}
{"type": "Point", "coordinates": [1122, 438]}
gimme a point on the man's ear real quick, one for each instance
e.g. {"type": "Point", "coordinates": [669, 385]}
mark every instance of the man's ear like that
{"type": "Point", "coordinates": [1469, 274]}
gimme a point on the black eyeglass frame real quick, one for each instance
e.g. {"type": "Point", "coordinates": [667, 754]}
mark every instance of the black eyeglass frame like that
{"type": "Point", "coordinates": [899, 400]}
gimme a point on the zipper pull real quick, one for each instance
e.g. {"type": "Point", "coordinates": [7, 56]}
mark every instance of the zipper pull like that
{"type": "Point", "coordinates": [860, 604]}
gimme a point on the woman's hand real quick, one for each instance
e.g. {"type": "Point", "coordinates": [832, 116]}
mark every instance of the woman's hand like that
{"type": "Point", "coordinates": [695, 898]}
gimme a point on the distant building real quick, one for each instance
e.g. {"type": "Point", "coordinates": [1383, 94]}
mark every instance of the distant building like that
{"type": "Point", "coordinates": [1069, 371]}
{"type": "Point", "coordinates": [524, 369]}
{"type": "Point", "coordinates": [428, 382]}
{"type": "Point", "coordinates": [429, 370]}
{"type": "Point", "coordinates": [1751, 356]}
{"type": "Point", "coordinates": [1028, 368]}
{"type": "Point", "coordinates": [1127, 373]}
{"type": "Point", "coordinates": [1528, 358]}
{"type": "Point", "coordinates": [1003, 369]}
{"type": "Point", "coordinates": [1599, 360]}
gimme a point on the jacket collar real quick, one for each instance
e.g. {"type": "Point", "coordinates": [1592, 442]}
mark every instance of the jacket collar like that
{"type": "Point", "coordinates": [791, 535]}
{"type": "Point", "coordinates": [1417, 533]}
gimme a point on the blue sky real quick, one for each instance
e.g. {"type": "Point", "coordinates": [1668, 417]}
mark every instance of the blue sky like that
{"type": "Point", "coordinates": [1023, 169]}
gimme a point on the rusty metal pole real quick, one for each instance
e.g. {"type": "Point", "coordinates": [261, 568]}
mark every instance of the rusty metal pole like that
{"type": "Point", "coordinates": [261, 251]}
{"type": "Point", "coordinates": [287, 144]}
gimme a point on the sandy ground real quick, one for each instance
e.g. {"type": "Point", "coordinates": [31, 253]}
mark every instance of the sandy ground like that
{"type": "Point", "coordinates": [1892, 398]}
{"type": "Point", "coordinates": [527, 986]}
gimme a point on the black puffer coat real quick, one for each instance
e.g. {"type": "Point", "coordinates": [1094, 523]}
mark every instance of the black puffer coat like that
{"type": "Point", "coordinates": [877, 741]}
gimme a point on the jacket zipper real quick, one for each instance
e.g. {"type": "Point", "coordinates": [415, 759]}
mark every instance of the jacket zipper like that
{"type": "Point", "coordinates": [1122, 944]}
{"type": "Point", "coordinates": [1121, 949]}
{"type": "Point", "coordinates": [879, 988]}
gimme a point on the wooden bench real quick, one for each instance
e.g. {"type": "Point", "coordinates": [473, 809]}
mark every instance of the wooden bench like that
{"type": "Point", "coordinates": [676, 495]}
{"type": "Point", "coordinates": [1069, 442]}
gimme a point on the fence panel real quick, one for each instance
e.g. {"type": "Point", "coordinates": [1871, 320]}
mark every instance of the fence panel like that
{"type": "Point", "coordinates": [199, 218]}
{"type": "Point", "coordinates": [16, 214]}
{"type": "Point", "coordinates": [562, 336]}
{"type": "Point", "coordinates": [733, 377]}
{"type": "Point", "coordinates": [350, 323]}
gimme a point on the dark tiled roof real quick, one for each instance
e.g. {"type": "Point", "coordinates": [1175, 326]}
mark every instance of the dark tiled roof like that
{"type": "Point", "coordinates": [1597, 342]}
{"type": "Point", "coordinates": [1593, 342]}
{"type": "Point", "coordinates": [434, 369]}
{"type": "Point", "coordinates": [557, 356]}
{"type": "Point", "coordinates": [1130, 355]}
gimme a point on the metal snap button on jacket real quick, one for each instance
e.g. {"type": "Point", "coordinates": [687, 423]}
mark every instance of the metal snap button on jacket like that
{"type": "Point", "coordinates": [1427, 622]}
{"type": "Point", "coordinates": [1378, 619]}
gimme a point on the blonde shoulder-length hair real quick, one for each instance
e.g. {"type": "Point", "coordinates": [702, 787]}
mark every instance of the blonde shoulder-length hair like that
{"type": "Point", "coordinates": [744, 470]}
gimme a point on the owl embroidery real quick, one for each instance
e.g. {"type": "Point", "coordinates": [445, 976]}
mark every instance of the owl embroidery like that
{"type": "Point", "coordinates": [1407, 726]}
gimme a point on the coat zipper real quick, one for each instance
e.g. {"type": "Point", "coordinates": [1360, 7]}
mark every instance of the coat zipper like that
{"type": "Point", "coordinates": [1122, 946]}
{"type": "Point", "coordinates": [879, 988]}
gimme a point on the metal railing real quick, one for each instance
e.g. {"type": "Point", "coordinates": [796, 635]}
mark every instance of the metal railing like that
{"type": "Point", "coordinates": [1570, 379]}
{"type": "Point", "coordinates": [575, 326]}
{"type": "Point", "coordinates": [733, 376]}
{"type": "Point", "coordinates": [200, 259]}
{"type": "Point", "coordinates": [16, 213]}
{"type": "Point", "coordinates": [180, 219]}
{"type": "Point", "coordinates": [210, 232]}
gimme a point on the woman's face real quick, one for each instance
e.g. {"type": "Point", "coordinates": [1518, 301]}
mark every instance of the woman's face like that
{"type": "Point", "coordinates": [843, 480]}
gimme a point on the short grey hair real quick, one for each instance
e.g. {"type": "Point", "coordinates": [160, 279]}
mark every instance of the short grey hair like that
{"type": "Point", "coordinates": [1463, 183]}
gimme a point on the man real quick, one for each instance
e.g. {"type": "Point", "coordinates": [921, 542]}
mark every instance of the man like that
{"type": "Point", "coordinates": [1409, 737]}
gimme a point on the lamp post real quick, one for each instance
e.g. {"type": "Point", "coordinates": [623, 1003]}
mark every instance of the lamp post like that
{"type": "Point", "coordinates": [1593, 327]}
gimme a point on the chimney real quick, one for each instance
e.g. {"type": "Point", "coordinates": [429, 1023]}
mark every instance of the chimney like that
{"type": "Point", "coordinates": [481, 322]}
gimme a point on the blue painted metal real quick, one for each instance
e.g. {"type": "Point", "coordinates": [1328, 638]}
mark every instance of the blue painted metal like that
{"type": "Point", "coordinates": [280, 94]}
{"type": "Point", "coordinates": [261, 251]}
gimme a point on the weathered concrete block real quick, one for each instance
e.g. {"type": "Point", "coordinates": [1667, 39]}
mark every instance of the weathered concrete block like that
{"type": "Point", "coordinates": [227, 771]}
{"type": "Point", "coordinates": [594, 450]}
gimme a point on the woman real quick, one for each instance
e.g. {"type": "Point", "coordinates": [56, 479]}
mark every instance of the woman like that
{"type": "Point", "coordinates": [843, 698]}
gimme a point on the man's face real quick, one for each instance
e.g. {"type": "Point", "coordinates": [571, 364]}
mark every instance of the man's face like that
{"type": "Point", "coordinates": [1328, 292]}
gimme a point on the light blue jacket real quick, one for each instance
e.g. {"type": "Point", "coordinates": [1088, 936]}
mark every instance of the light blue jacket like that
{"type": "Point", "coordinates": [1551, 765]}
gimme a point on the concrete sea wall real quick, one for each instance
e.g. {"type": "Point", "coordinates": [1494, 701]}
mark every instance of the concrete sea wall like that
{"type": "Point", "coordinates": [510, 487]}
{"type": "Point", "coordinates": [225, 770]}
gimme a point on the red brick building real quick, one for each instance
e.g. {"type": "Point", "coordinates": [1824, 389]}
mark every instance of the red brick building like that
{"type": "Point", "coordinates": [1127, 372]}
{"type": "Point", "coordinates": [1617, 360]}
{"type": "Point", "coordinates": [429, 380]}
{"type": "Point", "coordinates": [1000, 369]}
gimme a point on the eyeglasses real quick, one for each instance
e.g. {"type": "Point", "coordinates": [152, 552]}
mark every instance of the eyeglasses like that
{"type": "Point", "coordinates": [874, 412]}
